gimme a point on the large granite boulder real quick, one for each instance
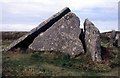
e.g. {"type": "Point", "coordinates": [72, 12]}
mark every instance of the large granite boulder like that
{"type": "Point", "coordinates": [63, 36]}
{"type": "Point", "coordinates": [24, 41]}
{"type": "Point", "coordinates": [92, 40]}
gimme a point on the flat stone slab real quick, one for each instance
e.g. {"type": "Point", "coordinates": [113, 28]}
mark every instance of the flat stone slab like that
{"type": "Point", "coordinates": [26, 40]}
{"type": "Point", "coordinates": [63, 36]}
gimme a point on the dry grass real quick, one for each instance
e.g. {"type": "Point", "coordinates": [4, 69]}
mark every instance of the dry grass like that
{"type": "Point", "coordinates": [56, 64]}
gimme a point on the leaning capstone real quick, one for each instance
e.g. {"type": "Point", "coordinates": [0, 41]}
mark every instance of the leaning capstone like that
{"type": "Point", "coordinates": [24, 41]}
{"type": "Point", "coordinates": [92, 40]}
{"type": "Point", "coordinates": [63, 36]}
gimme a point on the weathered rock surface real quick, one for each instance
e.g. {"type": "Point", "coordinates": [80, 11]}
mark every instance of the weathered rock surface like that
{"type": "Point", "coordinates": [92, 40]}
{"type": "Point", "coordinates": [112, 38]}
{"type": "Point", "coordinates": [118, 42]}
{"type": "Point", "coordinates": [117, 38]}
{"type": "Point", "coordinates": [63, 36]}
{"type": "Point", "coordinates": [26, 40]}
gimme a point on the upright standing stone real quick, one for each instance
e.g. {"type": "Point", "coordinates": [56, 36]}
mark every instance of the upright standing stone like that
{"type": "Point", "coordinates": [92, 40]}
{"type": "Point", "coordinates": [112, 38]}
{"type": "Point", "coordinates": [63, 36]}
{"type": "Point", "coordinates": [26, 40]}
{"type": "Point", "coordinates": [117, 38]}
{"type": "Point", "coordinates": [118, 43]}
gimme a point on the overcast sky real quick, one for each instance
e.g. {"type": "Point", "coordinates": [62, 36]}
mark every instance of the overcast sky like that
{"type": "Point", "coordinates": [23, 15]}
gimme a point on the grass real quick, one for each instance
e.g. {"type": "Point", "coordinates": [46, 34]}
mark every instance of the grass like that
{"type": "Point", "coordinates": [51, 64]}
{"type": "Point", "coordinates": [58, 64]}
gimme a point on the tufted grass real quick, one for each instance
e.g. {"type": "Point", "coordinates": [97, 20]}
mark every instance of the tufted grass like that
{"type": "Point", "coordinates": [57, 64]}
{"type": "Point", "coordinates": [53, 64]}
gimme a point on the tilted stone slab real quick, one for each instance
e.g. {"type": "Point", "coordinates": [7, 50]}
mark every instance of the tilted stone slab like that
{"type": "Point", "coordinates": [63, 36]}
{"type": "Point", "coordinates": [27, 39]}
{"type": "Point", "coordinates": [92, 40]}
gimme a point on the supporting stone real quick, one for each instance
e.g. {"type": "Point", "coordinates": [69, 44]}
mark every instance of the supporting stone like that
{"type": "Point", "coordinates": [92, 40]}
{"type": "Point", "coordinates": [112, 39]}
{"type": "Point", "coordinates": [117, 38]}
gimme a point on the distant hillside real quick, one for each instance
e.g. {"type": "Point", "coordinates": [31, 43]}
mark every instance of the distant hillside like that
{"type": "Point", "coordinates": [12, 35]}
{"type": "Point", "coordinates": [16, 35]}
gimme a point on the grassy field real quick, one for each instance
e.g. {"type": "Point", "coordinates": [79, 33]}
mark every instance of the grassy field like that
{"type": "Point", "coordinates": [19, 63]}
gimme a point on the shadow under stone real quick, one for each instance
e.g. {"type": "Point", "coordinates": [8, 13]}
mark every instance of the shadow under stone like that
{"type": "Point", "coordinates": [82, 38]}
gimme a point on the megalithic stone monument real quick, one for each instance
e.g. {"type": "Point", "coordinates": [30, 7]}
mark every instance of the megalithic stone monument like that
{"type": "Point", "coordinates": [62, 33]}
